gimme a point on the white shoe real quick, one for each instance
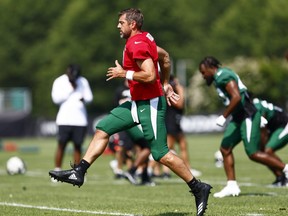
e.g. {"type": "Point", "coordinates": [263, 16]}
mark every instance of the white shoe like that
{"type": "Point", "coordinates": [113, 164]}
{"type": "Point", "coordinates": [195, 173]}
{"type": "Point", "coordinates": [228, 191]}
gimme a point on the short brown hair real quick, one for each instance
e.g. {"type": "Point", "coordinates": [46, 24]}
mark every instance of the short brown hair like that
{"type": "Point", "coordinates": [133, 14]}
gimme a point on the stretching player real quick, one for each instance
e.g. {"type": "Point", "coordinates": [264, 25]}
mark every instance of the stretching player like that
{"type": "Point", "coordinates": [244, 126]}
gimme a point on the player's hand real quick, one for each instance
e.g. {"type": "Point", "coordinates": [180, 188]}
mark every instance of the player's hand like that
{"type": "Point", "coordinates": [263, 122]}
{"type": "Point", "coordinates": [220, 121]}
{"type": "Point", "coordinates": [171, 96]}
{"type": "Point", "coordinates": [115, 72]}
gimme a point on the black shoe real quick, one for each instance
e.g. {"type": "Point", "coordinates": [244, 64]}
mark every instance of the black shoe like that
{"type": "Point", "coordinates": [73, 176]}
{"type": "Point", "coordinates": [277, 182]}
{"type": "Point", "coordinates": [280, 181]}
{"type": "Point", "coordinates": [119, 176]}
{"type": "Point", "coordinates": [146, 179]}
{"type": "Point", "coordinates": [284, 181]}
{"type": "Point", "coordinates": [130, 177]}
{"type": "Point", "coordinates": [201, 192]}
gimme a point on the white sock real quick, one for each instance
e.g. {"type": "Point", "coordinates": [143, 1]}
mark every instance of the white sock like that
{"type": "Point", "coordinates": [232, 183]}
{"type": "Point", "coordinates": [285, 170]}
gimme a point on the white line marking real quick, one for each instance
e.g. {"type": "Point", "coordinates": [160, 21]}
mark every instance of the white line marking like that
{"type": "Point", "coordinates": [63, 209]}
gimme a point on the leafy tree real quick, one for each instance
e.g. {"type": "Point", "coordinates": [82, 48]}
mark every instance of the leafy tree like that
{"type": "Point", "coordinates": [40, 38]}
{"type": "Point", "coordinates": [248, 28]}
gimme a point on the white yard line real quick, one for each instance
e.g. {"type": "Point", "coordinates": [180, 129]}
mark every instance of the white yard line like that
{"type": "Point", "coordinates": [63, 209]}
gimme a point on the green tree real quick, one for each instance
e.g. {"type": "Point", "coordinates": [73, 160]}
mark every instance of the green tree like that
{"type": "Point", "coordinates": [251, 28]}
{"type": "Point", "coordinates": [40, 38]}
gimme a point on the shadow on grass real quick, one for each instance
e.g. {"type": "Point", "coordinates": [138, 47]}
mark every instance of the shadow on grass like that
{"type": "Point", "coordinates": [173, 214]}
{"type": "Point", "coordinates": [258, 194]}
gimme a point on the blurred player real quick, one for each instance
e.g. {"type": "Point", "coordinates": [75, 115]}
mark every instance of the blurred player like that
{"type": "Point", "coordinates": [71, 92]}
{"type": "Point", "coordinates": [244, 126]}
{"type": "Point", "coordinates": [274, 133]}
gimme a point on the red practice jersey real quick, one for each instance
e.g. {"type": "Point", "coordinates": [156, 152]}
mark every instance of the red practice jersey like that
{"type": "Point", "coordinates": [140, 47]}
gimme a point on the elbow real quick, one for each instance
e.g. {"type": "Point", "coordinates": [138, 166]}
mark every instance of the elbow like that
{"type": "Point", "coordinates": [237, 99]}
{"type": "Point", "coordinates": [151, 79]}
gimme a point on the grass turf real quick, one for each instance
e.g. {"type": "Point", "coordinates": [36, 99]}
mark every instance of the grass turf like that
{"type": "Point", "coordinates": [34, 194]}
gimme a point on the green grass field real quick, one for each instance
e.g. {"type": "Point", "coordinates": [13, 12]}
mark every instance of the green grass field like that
{"type": "Point", "coordinates": [33, 194]}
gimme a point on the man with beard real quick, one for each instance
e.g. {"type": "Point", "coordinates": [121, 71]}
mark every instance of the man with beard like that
{"type": "Point", "coordinates": [244, 125]}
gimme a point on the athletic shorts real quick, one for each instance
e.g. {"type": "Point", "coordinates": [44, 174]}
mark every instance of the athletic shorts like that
{"type": "Point", "coordinates": [247, 131]}
{"type": "Point", "coordinates": [67, 133]}
{"type": "Point", "coordinates": [173, 121]}
{"type": "Point", "coordinates": [137, 137]}
{"type": "Point", "coordinates": [278, 139]}
{"type": "Point", "coordinates": [173, 125]}
{"type": "Point", "coordinates": [151, 115]}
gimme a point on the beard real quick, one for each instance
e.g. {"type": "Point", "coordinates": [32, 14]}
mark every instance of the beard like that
{"type": "Point", "coordinates": [209, 80]}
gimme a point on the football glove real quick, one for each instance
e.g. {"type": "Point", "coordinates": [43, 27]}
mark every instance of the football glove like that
{"type": "Point", "coordinates": [220, 121]}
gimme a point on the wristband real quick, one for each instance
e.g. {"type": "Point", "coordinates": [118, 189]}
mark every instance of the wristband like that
{"type": "Point", "coordinates": [129, 74]}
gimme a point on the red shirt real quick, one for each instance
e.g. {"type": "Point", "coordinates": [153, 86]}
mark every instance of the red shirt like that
{"type": "Point", "coordinates": [142, 46]}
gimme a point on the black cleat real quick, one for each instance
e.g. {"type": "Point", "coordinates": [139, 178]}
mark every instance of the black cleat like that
{"type": "Point", "coordinates": [201, 192]}
{"type": "Point", "coordinates": [280, 181]}
{"type": "Point", "coordinates": [73, 176]}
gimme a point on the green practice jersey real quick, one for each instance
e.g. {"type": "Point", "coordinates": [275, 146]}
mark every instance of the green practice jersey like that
{"type": "Point", "coordinates": [266, 109]}
{"type": "Point", "coordinates": [221, 79]}
{"type": "Point", "coordinates": [275, 115]}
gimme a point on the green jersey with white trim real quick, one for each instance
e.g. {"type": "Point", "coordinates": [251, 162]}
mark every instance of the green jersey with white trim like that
{"type": "Point", "coordinates": [266, 109]}
{"type": "Point", "coordinates": [275, 115]}
{"type": "Point", "coordinates": [221, 78]}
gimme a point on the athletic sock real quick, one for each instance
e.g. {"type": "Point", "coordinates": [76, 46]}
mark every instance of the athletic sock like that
{"type": "Point", "coordinates": [232, 183]}
{"type": "Point", "coordinates": [132, 170]}
{"type": "Point", "coordinates": [84, 165]}
{"type": "Point", "coordinates": [285, 170]}
{"type": "Point", "coordinates": [145, 177]}
{"type": "Point", "coordinates": [192, 183]}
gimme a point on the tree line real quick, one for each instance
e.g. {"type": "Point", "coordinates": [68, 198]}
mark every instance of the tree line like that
{"type": "Point", "coordinates": [40, 38]}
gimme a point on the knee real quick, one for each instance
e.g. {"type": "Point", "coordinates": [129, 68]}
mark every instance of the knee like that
{"type": "Point", "coordinates": [269, 151]}
{"type": "Point", "coordinates": [225, 152]}
{"type": "Point", "coordinates": [156, 155]}
{"type": "Point", "coordinates": [167, 159]}
{"type": "Point", "coordinates": [100, 134]}
{"type": "Point", "coordinates": [255, 156]}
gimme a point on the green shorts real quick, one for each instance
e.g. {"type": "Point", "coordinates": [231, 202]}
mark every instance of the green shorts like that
{"type": "Point", "coordinates": [247, 131]}
{"type": "Point", "coordinates": [278, 139]}
{"type": "Point", "coordinates": [151, 114]}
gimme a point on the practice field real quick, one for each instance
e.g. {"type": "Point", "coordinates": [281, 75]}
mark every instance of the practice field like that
{"type": "Point", "coordinates": [34, 194]}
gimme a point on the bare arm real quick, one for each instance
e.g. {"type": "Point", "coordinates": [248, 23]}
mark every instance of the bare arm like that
{"type": "Point", "coordinates": [180, 91]}
{"type": "Point", "coordinates": [165, 65]}
{"type": "Point", "coordinates": [147, 73]}
{"type": "Point", "coordinates": [235, 97]}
